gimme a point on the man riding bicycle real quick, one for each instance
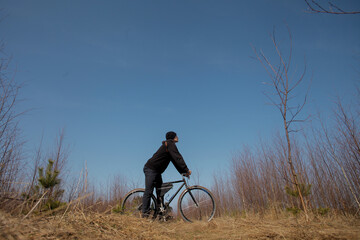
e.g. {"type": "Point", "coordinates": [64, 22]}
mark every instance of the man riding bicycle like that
{"type": "Point", "coordinates": [157, 164]}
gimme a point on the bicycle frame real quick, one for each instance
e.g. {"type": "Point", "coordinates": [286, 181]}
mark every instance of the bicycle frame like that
{"type": "Point", "coordinates": [182, 185]}
{"type": "Point", "coordinates": [176, 193]}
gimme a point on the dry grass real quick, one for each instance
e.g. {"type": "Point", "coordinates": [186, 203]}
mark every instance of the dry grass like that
{"type": "Point", "coordinates": [114, 226]}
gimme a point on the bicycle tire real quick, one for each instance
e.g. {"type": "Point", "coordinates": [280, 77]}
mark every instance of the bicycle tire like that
{"type": "Point", "coordinates": [132, 203]}
{"type": "Point", "coordinates": [205, 210]}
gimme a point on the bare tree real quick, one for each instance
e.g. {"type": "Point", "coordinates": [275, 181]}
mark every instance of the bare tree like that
{"type": "Point", "coordinates": [61, 152]}
{"type": "Point", "coordinates": [10, 154]}
{"type": "Point", "coordinates": [348, 143]}
{"type": "Point", "coordinates": [316, 7]}
{"type": "Point", "coordinates": [284, 85]}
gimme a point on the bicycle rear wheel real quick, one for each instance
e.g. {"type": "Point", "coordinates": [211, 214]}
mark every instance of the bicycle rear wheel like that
{"type": "Point", "coordinates": [132, 204]}
{"type": "Point", "coordinates": [196, 204]}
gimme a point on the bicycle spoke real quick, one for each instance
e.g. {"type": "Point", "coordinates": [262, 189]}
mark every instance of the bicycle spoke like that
{"type": "Point", "coordinates": [132, 204]}
{"type": "Point", "coordinates": [197, 204]}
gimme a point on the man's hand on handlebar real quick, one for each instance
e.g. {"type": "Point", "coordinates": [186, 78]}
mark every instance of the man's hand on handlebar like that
{"type": "Point", "coordinates": [188, 173]}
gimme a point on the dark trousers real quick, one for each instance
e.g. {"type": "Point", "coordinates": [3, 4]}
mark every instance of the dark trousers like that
{"type": "Point", "coordinates": [152, 179]}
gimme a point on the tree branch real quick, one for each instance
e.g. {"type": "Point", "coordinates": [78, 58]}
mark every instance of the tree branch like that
{"type": "Point", "coordinates": [317, 8]}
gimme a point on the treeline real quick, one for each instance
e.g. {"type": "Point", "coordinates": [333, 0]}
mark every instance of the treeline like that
{"type": "Point", "coordinates": [327, 162]}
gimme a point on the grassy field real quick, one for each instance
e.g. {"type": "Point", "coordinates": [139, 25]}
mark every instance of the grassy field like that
{"type": "Point", "coordinates": [114, 226]}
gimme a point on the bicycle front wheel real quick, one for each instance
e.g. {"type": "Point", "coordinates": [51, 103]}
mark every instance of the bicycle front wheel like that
{"type": "Point", "coordinates": [132, 204]}
{"type": "Point", "coordinates": [196, 204]}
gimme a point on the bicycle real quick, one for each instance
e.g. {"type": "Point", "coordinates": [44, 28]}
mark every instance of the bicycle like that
{"type": "Point", "coordinates": [195, 203]}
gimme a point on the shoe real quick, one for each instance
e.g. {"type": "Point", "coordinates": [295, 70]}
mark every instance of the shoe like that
{"type": "Point", "coordinates": [165, 218]}
{"type": "Point", "coordinates": [169, 217]}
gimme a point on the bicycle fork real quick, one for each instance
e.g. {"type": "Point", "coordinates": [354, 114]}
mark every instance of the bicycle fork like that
{"type": "Point", "coordinates": [191, 195]}
{"type": "Point", "coordinates": [193, 198]}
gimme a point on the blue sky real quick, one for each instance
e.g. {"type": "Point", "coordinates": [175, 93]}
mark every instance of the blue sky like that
{"type": "Point", "coordinates": [117, 75]}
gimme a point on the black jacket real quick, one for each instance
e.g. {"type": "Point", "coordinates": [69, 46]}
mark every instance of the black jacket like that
{"type": "Point", "coordinates": [161, 159]}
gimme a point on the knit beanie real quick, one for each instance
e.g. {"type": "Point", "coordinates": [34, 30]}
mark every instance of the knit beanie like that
{"type": "Point", "coordinates": [170, 135]}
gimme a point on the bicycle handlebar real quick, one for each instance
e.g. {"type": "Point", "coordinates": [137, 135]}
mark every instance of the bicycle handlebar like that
{"type": "Point", "coordinates": [185, 175]}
